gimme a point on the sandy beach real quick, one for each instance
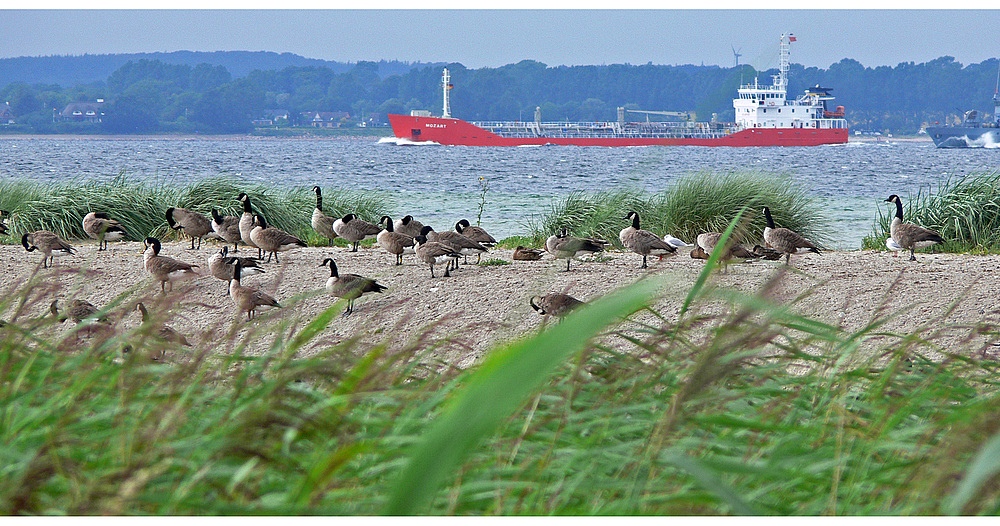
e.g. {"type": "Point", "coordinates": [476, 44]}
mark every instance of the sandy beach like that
{"type": "Point", "coordinates": [481, 306]}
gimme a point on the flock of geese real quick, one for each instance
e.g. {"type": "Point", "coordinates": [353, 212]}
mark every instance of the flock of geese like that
{"type": "Point", "coordinates": [403, 236]}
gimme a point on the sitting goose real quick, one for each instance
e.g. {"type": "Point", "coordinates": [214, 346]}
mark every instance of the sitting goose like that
{"type": "Point", "coordinates": [394, 242]}
{"type": "Point", "coordinates": [354, 229]}
{"type": "Point", "coordinates": [564, 246]}
{"type": "Point", "coordinates": [248, 299]}
{"type": "Point", "coordinates": [349, 286]}
{"type": "Point", "coordinates": [322, 223]}
{"type": "Point", "coordinates": [784, 240]}
{"type": "Point", "coordinates": [908, 235]}
{"type": "Point", "coordinates": [643, 242]}
{"type": "Point", "coordinates": [48, 243]}
{"type": "Point", "coordinates": [557, 305]}
{"type": "Point", "coordinates": [165, 269]}
{"type": "Point", "coordinates": [435, 253]}
{"type": "Point", "coordinates": [522, 253]}
{"type": "Point", "coordinates": [221, 265]}
{"type": "Point", "coordinates": [272, 240]}
{"type": "Point", "coordinates": [99, 226]}
{"type": "Point", "coordinates": [193, 223]}
{"type": "Point", "coordinates": [227, 227]}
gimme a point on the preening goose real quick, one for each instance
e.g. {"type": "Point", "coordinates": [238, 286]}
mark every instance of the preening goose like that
{"type": "Point", "coordinates": [48, 243]}
{"type": "Point", "coordinates": [459, 242]}
{"type": "Point", "coordinates": [522, 253]}
{"type": "Point", "coordinates": [784, 240]}
{"type": "Point", "coordinates": [409, 226]}
{"type": "Point", "coordinates": [193, 223]}
{"type": "Point", "coordinates": [163, 332]}
{"type": "Point", "coordinates": [908, 235]}
{"type": "Point", "coordinates": [79, 310]}
{"type": "Point", "coordinates": [435, 253]}
{"type": "Point", "coordinates": [272, 240]}
{"type": "Point", "coordinates": [349, 286]}
{"type": "Point", "coordinates": [322, 223]}
{"type": "Point", "coordinates": [354, 229]}
{"type": "Point", "coordinates": [227, 227]}
{"type": "Point", "coordinates": [475, 233]}
{"type": "Point", "coordinates": [709, 240]}
{"type": "Point", "coordinates": [643, 242]}
{"type": "Point", "coordinates": [248, 299]}
{"type": "Point", "coordinates": [165, 269]}
{"type": "Point", "coordinates": [99, 226]}
{"type": "Point", "coordinates": [394, 242]}
{"type": "Point", "coordinates": [557, 305]}
{"type": "Point", "coordinates": [564, 246]}
{"type": "Point", "coordinates": [221, 265]}
{"type": "Point", "coordinates": [247, 224]}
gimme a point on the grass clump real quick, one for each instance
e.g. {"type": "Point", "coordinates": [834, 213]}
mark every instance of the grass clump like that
{"type": "Point", "coordinates": [493, 262]}
{"type": "Point", "coordinates": [965, 211]}
{"type": "Point", "coordinates": [703, 202]}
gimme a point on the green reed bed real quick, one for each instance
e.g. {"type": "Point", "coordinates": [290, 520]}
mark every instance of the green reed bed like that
{"type": "Point", "coordinates": [697, 203]}
{"type": "Point", "coordinates": [965, 211]}
{"type": "Point", "coordinates": [141, 207]}
{"type": "Point", "coordinates": [617, 410]}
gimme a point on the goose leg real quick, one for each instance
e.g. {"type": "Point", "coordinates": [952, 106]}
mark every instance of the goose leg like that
{"type": "Point", "coordinates": [644, 262]}
{"type": "Point", "coordinates": [567, 264]}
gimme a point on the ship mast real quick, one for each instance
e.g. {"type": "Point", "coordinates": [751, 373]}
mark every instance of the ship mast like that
{"type": "Point", "coordinates": [781, 79]}
{"type": "Point", "coordinates": [445, 86]}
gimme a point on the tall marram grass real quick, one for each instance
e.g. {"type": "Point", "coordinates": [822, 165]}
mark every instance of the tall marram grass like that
{"type": "Point", "coordinates": [703, 202]}
{"type": "Point", "coordinates": [618, 410]}
{"type": "Point", "coordinates": [965, 211]}
{"type": "Point", "coordinates": [141, 207]}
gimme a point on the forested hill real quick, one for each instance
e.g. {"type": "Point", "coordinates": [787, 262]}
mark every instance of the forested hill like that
{"type": "Point", "coordinates": [152, 95]}
{"type": "Point", "coordinates": [69, 71]}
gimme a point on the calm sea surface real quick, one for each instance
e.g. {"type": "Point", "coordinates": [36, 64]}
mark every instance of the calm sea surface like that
{"type": "Point", "coordinates": [440, 184]}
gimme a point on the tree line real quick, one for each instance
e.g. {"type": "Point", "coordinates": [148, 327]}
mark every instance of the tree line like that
{"type": "Point", "coordinates": [147, 96]}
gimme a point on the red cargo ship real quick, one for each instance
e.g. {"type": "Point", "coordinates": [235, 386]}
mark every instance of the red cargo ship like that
{"type": "Point", "coordinates": [764, 117]}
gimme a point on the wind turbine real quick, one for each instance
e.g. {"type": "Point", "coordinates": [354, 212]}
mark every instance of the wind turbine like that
{"type": "Point", "coordinates": [737, 54]}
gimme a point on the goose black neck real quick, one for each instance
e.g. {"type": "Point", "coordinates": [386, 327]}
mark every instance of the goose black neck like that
{"type": "Point", "coordinates": [216, 216]}
{"type": "Point", "coordinates": [24, 241]}
{"type": "Point", "coordinates": [635, 221]}
{"type": "Point", "coordinates": [899, 208]}
{"type": "Point", "coordinates": [388, 223]}
{"type": "Point", "coordinates": [333, 269]}
{"type": "Point", "coordinates": [236, 270]}
{"type": "Point", "coordinates": [246, 205]}
{"type": "Point", "coordinates": [319, 201]}
{"type": "Point", "coordinates": [767, 216]}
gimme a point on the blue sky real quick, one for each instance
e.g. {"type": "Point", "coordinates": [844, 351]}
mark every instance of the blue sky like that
{"type": "Point", "coordinates": [478, 38]}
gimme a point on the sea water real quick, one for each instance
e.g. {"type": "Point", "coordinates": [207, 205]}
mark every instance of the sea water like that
{"type": "Point", "coordinates": [441, 184]}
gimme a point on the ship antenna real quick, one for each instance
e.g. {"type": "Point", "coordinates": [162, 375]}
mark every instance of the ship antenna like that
{"type": "Point", "coordinates": [446, 85]}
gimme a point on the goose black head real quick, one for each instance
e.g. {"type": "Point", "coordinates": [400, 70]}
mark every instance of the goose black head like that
{"type": "Point", "coordinates": [24, 242]}
{"type": "Point", "coordinates": [426, 230]}
{"type": "Point", "coordinates": [155, 243]}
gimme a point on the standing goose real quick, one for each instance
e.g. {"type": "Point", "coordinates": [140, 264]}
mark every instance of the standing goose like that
{"type": "Point", "coordinates": [193, 223]}
{"type": "Point", "coordinates": [908, 235]}
{"type": "Point", "coordinates": [784, 240]}
{"type": "Point", "coordinates": [165, 269]}
{"type": "Point", "coordinates": [349, 286]}
{"type": "Point", "coordinates": [557, 305]}
{"type": "Point", "coordinates": [227, 227]}
{"type": "Point", "coordinates": [435, 253]}
{"type": "Point", "coordinates": [522, 253]}
{"type": "Point", "coordinates": [322, 223]}
{"type": "Point", "coordinates": [409, 226]}
{"type": "Point", "coordinates": [272, 240]}
{"type": "Point", "coordinates": [643, 242]}
{"type": "Point", "coordinates": [394, 242]}
{"type": "Point", "coordinates": [459, 242]}
{"type": "Point", "coordinates": [564, 246]}
{"type": "Point", "coordinates": [247, 224]}
{"type": "Point", "coordinates": [48, 243]}
{"type": "Point", "coordinates": [99, 226]}
{"type": "Point", "coordinates": [163, 332]}
{"type": "Point", "coordinates": [221, 265]}
{"type": "Point", "coordinates": [353, 229]}
{"type": "Point", "coordinates": [248, 299]}
{"type": "Point", "coordinates": [79, 310]}
{"type": "Point", "coordinates": [475, 233]}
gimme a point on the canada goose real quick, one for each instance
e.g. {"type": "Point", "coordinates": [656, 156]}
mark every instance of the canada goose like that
{"type": "Point", "coordinates": [675, 242]}
{"type": "Point", "coordinates": [165, 269]}
{"type": "Point", "coordinates": [193, 223]}
{"type": "Point", "coordinates": [79, 310]}
{"type": "Point", "coordinates": [354, 229]}
{"type": "Point", "coordinates": [82, 312]}
{"type": "Point", "coordinates": [221, 265]}
{"type": "Point", "coordinates": [227, 227]}
{"type": "Point", "coordinates": [394, 242]}
{"type": "Point", "coordinates": [643, 242]}
{"type": "Point", "coordinates": [568, 247]}
{"type": "Point", "coordinates": [3, 228]}
{"type": "Point", "coordinates": [48, 243]}
{"type": "Point", "coordinates": [459, 242]}
{"type": "Point", "coordinates": [272, 240]}
{"type": "Point", "coordinates": [699, 253]}
{"type": "Point", "coordinates": [908, 235]}
{"type": "Point", "coordinates": [248, 299]}
{"type": "Point", "coordinates": [163, 332]}
{"type": "Point", "coordinates": [709, 240]}
{"type": "Point", "coordinates": [475, 233]}
{"type": "Point", "coordinates": [784, 240]}
{"type": "Point", "coordinates": [409, 226]}
{"type": "Point", "coordinates": [99, 226]}
{"type": "Point", "coordinates": [349, 286]}
{"type": "Point", "coordinates": [246, 223]}
{"type": "Point", "coordinates": [557, 305]}
{"type": "Point", "coordinates": [322, 223]}
{"type": "Point", "coordinates": [435, 253]}
{"type": "Point", "coordinates": [527, 254]}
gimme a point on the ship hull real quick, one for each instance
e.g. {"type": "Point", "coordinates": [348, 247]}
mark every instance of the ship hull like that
{"type": "Point", "coordinates": [456, 132]}
{"type": "Point", "coordinates": [964, 137]}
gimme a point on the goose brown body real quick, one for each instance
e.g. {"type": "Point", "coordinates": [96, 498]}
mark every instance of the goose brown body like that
{"type": "Point", "coordinates": [565, 246]}
{"type": "Point", "coordinates": [643, 242]}
{"type": "Point", "coordinates": [522, 253]}
{"type": "Point", "coordinates": [227, 227]}
{"type": "Point", "coordinates": [784, 240]}
{"type": "Point", "coordinates": [460, 243]}
{"type": "Point", "coordinates": [908, 235]}
{"type": "Point", "coordinates": [355, 230]}
{"type": "Point", "coordinates": [435, 253]}
{"type": "Point", "coordinates": [272, 240]}
{"type": "Point", "coordinates": [349, 286]}
{"type": "Point", "coordinates": [221, 265]}
{"type": "Point", "coordinates": [48, 243]}
{"type": "Point", "coordinates": [191, 222]}
{"type": "Point", "coordinates": [163, 332]}
{"type": "Point", "coordinates": [322, 223]}
{"type": "Point", "coordinates": [248, 299]}
{"type": "Point", "coordinates": [165, 269]}
{"type": "Point", "coordinates": [99, 226]}
{"type": "Point", "coordinates": [409, 226]}
{"type": "Point", "coordinates": [556, 304]}
{"type": "Point", "coordinates": [394, 242]}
